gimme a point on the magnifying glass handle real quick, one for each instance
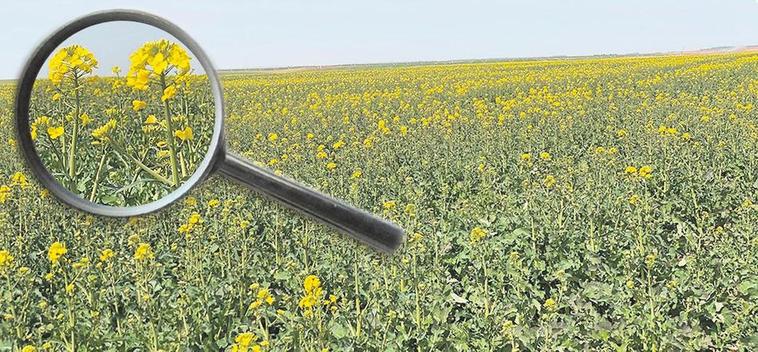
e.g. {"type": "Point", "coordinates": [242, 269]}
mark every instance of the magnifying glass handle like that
{"type": "Point", "coordinates": [360, 224]}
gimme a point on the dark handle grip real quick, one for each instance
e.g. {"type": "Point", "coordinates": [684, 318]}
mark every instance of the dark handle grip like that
{"type": "Point", "coordinates": [360, 224]}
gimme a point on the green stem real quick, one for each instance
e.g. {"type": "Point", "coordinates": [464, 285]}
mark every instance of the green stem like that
{"type": "Point", "coordinates": [74, 134]}
{"type": "Point", "coordinates": [357, 300]}
{"type": "Point", "coordinates": [170, 136]}
{"type": "Point", "coordinates": [141, 165]}
{"type": "Point", "coordinates": [97, 176]}
{"type": "Point", "coordinates": [183, 165]}
{"type": "Point", "coordinates": [152, 172]}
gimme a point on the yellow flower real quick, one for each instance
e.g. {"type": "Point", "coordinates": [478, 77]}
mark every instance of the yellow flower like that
{"type": "Point", "coordinates": [42, 120]}
{"type": "Point", "coordinates": [545, 156]}
{"type": "Point", "coordinates": [116, 70]}
{"type": "Point", "coordinates": [243, 342]}
{"type": "Point", "coordinates": [138, 105]}
{"type": "Point", "coordinates": [55, 132]}
{"type": "Point", "coordinates": [158, 63]}
{"type": "Point", "coordinates": [19, 179]}
{"type": "Point", "coordinates": [85, 119]}
{"type": "Point", "coordinates": [178, 57]}
{"type": "Point", "coordinates": [156, 59]}
{"type": "Point", "coordinates": [102, 132]}
{"type": "Point", "coordinates": [5, 192]}
{"type": "Point", "coordinates": [477, 234]}
{"type": "Point", "coordinates": [190, 201]}
{"type": "Point", "coordinates": [321, 155]}
{"type": "Point", "coordinates": [150, 120]}
{"type": "Point", "coordinates": [214, 203]}
{"type": "Point", "coordinates": [410, 209]}
{"type": "Point", "coordinates": [356, 174]}
{"type": "Point", "coordinates": [5, 259]}
{"type": "Point", "coordinates": [29, 348]}
{"type": "Point", "coordinates": [56, 96]}
{"type": "Point", "coordinates": [56, 251]}
{"type": "Point", "coordinates": [82, 263]}
{"type": "Point", "coordinates": [311, 283]}
{"type": "Point", "coordinates": [70, 62]}
{"type": "Point", "coordinates": [185, 134]}
{"type": "Point", "coordinates": [630, 170]}
{"type": "Point", "coordinates": [168, 93]}
{"type": "Point", "coordinates": [550, 305]}
{"type": "Point", "coordinates": [549, 181]}
{"type": "Point", "coordinates": [313, 293]}
{"type": "Point", "coordinates": [144, 252]}
{"type": "Point", "coordinates": [339, 144]}
{"type": "Point", "coordinates": [331, 166]}
{"type": "Point", "coordinates": [106, 254]}
{"type": "Point", "coordinates": [195, 219]}
{"type": "Point", "coordinates": [138, 79]}
{"type": "Point", "coordinates": [646, 171]}
{"type": "Point", "coordinates": [526, 157]}
{"type": "Point", "coordinates": [389, 205]}
{"type": "Point", "coordinates": [634, 199]}
{"type": "Point", "coordinates": [272, 137]}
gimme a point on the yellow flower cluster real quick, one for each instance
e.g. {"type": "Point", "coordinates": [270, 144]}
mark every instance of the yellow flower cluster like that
{"type": "Point", "coordinates": [194, 220]}
{"type": "Point", "coordinates": [246, 342]}
{"type": "Point", "coordinates": [477, 234]}
{"type": "Point", "coordinates": [70, 61]}
{"type": "Point", "coordinates": [101, 133]}
{"type": "Point", "coordinates": [55, 132]}
{"type": "Point", "coordinates": [106, 254]}
{"type": "Point", "coordinates": [263, 295]}
{"type": "Point", "coordinates": [156, 60]}
{"type": "Point", "coordinates": [645, 171]}
{"type": "Point", "coordinates": [144, 252]}
{"type": "Point", "coordinates": [312, 296]}
{"type": "Point", "coordinates": [184, 134]}
{"type": "Point", "coordinates": [56, 251]}
{"type": "Point", "coordinates": [138, 105]}
{"type": "Point", "coordinates": [5, 260]}
{"type": "Point", "coordinates": [5, 193]}
{"type": "Point", "coordinates": [40, 121]}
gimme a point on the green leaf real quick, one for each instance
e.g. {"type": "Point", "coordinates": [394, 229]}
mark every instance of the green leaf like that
{"type": "Point", "coordinates": [338, 330]}
{"type": "Point", "coordinates": [458, 299]}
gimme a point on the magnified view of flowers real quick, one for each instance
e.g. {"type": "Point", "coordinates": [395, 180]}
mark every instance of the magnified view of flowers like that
{"type": "Point", "coordinates": [122, 140]}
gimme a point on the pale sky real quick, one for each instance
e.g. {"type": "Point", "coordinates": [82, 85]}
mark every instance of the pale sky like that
{"type": "Point", "coordinates": [254, 34]}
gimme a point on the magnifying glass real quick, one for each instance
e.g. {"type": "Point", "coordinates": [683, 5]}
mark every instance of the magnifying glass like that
{"type": "Point", "coordinates": [120, 113]}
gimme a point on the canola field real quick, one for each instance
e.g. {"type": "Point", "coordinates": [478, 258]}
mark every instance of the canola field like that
{"type": "Point", "coordinates": [604, 204]}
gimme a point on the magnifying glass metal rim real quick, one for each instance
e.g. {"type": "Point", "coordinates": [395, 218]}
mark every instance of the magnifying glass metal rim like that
{"type": "Point", "coordinates": [29, 76]}
{"type": "Point", "coordinates": [368, 228]}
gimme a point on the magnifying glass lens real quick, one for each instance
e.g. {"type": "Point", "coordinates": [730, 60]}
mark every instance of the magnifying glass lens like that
{"type": "Point", "coordinates": [121, 114]}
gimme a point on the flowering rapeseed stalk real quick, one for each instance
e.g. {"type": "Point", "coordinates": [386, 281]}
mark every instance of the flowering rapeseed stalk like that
{"type": "Point", "coordinates": [154, 63]}
{"type": "Point", "coordinates": [67, 70]}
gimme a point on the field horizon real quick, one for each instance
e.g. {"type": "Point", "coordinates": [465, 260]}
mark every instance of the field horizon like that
{"type": "Point", "coordinates": [284, 69]}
